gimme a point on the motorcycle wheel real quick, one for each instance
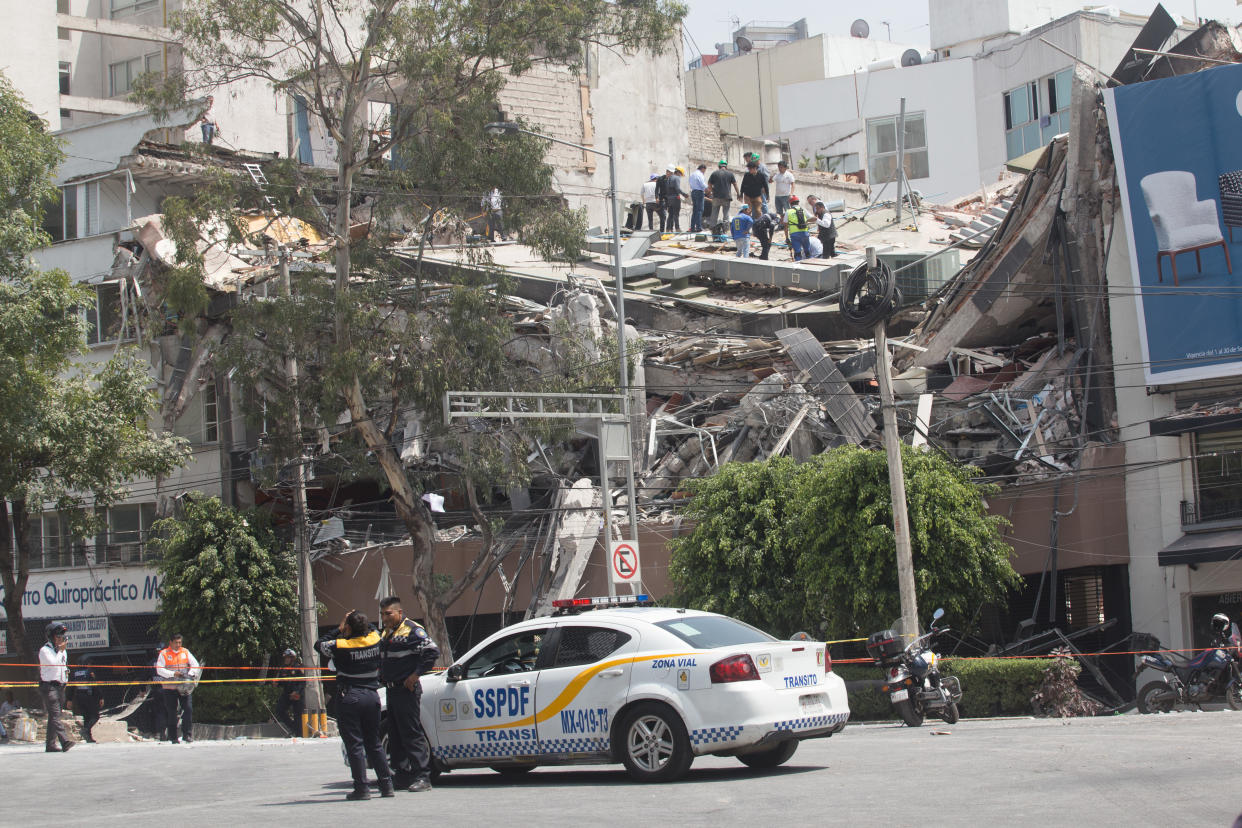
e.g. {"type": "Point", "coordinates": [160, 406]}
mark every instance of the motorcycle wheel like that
{"type": "Point", "coordinates": [950, 713]}
{"type": "Point", "coordinates": [1233, 693]}
{"type": "Point", "coordinates": [1155, 697]}
{"type": "Point", "coordinates": [911, 712]}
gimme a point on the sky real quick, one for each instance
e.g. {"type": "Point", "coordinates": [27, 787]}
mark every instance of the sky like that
{"type": "Point", "coordinates": [712, 21]}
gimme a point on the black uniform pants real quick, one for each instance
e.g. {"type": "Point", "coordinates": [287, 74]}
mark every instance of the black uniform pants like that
{"type": "Point", "coordinates": [764, 235]}
{"type": "Point", "coordinates": [358, 720]}
{"type": "Point", "coordinates": [407, 741]}
{"type": "Point", "coordinates": [86, 705]}
{"type": "Point", "coordinates": [672, 208]}
{"type": "Point", "coordinates": [172, 700]}
{"type": "Point", "coordinates": [285, 706]}
{"type": "Point", "coordinates": [53, 694]}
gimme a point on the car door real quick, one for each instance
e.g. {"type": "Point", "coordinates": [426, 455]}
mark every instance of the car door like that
{"type": "Point", "coordinates": [490, 712]}
{"type": "Point", "coordinates": [583, 685]}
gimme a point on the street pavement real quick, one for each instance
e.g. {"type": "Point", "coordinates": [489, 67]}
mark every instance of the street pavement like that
{"type": "Point", "coordinates": [1132, 770]}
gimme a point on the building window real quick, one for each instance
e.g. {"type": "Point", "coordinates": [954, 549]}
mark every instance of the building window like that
{"type": "Point", "coordinates": [124, 8]}
{"type": "Point", "coordinates": [53, 543]}
{"type": "Point", "coordinates": [103, 319]}
{"type": "Point", "coordinates": [1084, 601]}
{"type": "Point", "coordinates": [1035, 112]}
{"type": "Point", "coordinates": [121, 75]}
{"type": "Point", "coordinates": [126, 530]}
{"type": "Point", "coordinates": [60, 220]}
{"type": "Point", "coordinates": [211, 421]}
{"type": "Point", "coordinates": [846, 163]}
{"type": "Point", "coordinates": [1218, 475]}
{"type": "Point", "coordinates": [882, 148]}
{"type": "Point", "coordinates": [64, 87]}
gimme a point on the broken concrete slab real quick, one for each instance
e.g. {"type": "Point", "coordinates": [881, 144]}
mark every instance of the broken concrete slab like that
{"type": "Point", "coordinates": [843, 405]}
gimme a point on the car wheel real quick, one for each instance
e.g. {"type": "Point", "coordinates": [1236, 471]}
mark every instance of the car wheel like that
{"type": "Point", "coordinates": [950, 714]}
{"type": "Point", "coordinates": [911, 712]}
{"type": "Point", "coordinates": [655, 746]}
{"type": "Point", "coordinates": [1155, 697]}
{"type": "Point", "coordinates": [770, 758]}
{"type": "Point", "coordinates": [513, 770]}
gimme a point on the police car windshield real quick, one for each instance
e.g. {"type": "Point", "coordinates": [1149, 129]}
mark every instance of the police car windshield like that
{"type": "Point", "coordinates": [706, 632]}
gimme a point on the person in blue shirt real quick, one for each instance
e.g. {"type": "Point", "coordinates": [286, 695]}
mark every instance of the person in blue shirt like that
{"type": "Point", "coordinates": [740, 228]}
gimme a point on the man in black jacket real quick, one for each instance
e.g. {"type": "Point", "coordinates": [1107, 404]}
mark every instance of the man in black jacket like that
{"type": "Point", "coordinates": [764, 226]}
{"type": "Point", "coordinates": [754, 188]}
{"type": "Point", "coordinates": [355, 653]}
{"type": "Point", "coordinates": [406, 653]}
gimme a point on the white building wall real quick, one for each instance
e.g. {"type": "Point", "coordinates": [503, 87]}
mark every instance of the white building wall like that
{"type": "Point", "coordinates": [30, 57]}
{"type": "Point", "coordinates": [748, 85]}
{"type": "Point", "coordinates": [952, 150]}
{"type": "Point", "coordinates": [965, 25]}
{"type": "Point", "coordinates": [1099, 40]}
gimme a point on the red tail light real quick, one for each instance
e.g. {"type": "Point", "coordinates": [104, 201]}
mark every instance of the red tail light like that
{"type": "Point", "coordinates": [733, 668]}
{"type": "Point", "coordinates": [827, 661]}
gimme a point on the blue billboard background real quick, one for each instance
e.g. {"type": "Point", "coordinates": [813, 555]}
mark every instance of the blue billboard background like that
{"type": "Point", "coordinates": [1191, 124]}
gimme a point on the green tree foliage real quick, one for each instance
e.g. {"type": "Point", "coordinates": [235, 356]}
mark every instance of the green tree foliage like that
{"type": "Point", "coordinates": [810, 547]}
{"type": "Point", "coordinates": [388, 335]}
{"type": "Point", "coordinates": [68, 436]}
{"type": "Point", "coordinates": [228, 584]}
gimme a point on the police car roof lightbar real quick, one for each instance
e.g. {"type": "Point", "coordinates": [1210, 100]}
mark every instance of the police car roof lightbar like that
{"type": "Point", "coordinates": [568, 605]}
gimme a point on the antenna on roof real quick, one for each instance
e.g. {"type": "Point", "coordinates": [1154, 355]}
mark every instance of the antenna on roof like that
{"type": "Point", "coordinates": [911, 57]}
{"type": "Point", "coordinates": [859, 28]}
{"type": "Point", "coordinates": [744, 43]}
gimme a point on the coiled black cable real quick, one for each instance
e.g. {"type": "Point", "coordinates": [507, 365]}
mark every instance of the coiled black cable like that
{"type": "Point", "coordinates": [870, 295]}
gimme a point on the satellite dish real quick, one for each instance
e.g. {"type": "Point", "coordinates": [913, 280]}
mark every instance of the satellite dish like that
{"type": "Point", "coordinates": [859, 28]}
{"type": "Point", "coordinates": [744, 43]}
{"type": "Point", "coordinates": [911, 57]}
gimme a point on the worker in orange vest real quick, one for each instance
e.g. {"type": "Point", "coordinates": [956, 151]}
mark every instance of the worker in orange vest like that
{"type": "Point", "coordinates": [179, 666]}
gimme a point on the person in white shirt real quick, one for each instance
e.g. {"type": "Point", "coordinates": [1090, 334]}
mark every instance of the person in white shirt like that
{"type": "Point", "coordinates": [782, 187]}
{"type": "Point", "coordinates": [493, 205]}
{"type": "Point", "coordinates": [698, 185]}
{"type": "Point", "coordinates": [652, 203]}
{"type": "Point", "coordinates": [53, 675]}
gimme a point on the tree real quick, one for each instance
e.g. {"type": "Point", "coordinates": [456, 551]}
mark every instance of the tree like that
{"type": "Point", "coordinates": [228, 584]}
{"type": "Point", "coordinates": [810, 547]}
{"type": "Point", "coordinates": [69, 437]}
{"type": "Point", "coordinates": [379, 343]}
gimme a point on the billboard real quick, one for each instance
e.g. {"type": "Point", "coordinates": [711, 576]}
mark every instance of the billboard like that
{"type": "Point", "coordinates": [1177, 143]}
{"type": "Point", "coordinates": [78, 593]}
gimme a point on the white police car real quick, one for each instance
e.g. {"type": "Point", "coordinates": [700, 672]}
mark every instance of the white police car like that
{"type": "Point", "coordinates": [646, 686]}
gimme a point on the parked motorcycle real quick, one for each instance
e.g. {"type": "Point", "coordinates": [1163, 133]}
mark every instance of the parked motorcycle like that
{"type": "Point", "coordinates": [1209, 676]}
{"type": "Point", "coordinates": [912, 675]}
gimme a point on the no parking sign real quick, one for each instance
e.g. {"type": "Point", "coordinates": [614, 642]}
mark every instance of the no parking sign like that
{"type": "Point", "coordinates": [623, 562]}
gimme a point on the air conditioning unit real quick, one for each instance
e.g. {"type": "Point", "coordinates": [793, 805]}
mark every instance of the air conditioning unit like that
{"type": "Point", "coordinates": [921, 279]}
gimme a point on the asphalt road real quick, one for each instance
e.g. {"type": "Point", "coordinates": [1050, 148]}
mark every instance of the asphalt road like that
{"type": "Point", "coordinates": [1176, 769]}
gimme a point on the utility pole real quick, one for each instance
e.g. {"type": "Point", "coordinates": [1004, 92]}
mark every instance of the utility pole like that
{"type": "Point", "coordinates": [896, 473]}
{"type": "Point", "coordinates": [307, 616]}
{"type": "Point", "coordinates": [901, 156]}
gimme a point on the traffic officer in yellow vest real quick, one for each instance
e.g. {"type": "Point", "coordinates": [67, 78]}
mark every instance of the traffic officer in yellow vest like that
{"type": "Point", "coordinates": [355, 653]}
{"type": "Point", "coordinates": [407, 653]}
{"type": "Point", "coordinates": [181, 668]}
{"type": "Point", "coordinates": [797, 222]}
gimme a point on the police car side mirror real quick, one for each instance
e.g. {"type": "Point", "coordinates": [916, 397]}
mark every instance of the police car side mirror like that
{"type": "Point", "coordinates": [457, 672]}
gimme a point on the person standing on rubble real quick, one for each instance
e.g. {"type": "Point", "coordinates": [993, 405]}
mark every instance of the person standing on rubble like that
{"type": "Point", "coordinates": [673, 194]}
{"type": "Point", "coordinates": [763, 228]}
{"type": "Point", "coordinates": [826, 230]}
{"type": "Point", "coordinates": [179, 668]}
{"type": "Point", "coordinates": [782, 186]}
{"type": "Point", "coordinates": [739, 228]}
{"type": "Point", "coordinates": [698, 186]}
{"type": "Point", "coordinates": [721, 188]}
{"type": "Point", "coordinates": [796, 221]}
{"type": "Point", "coordinates": [53, 675]}
{"type": "Point", "coordinates": [493, 207]}
{"type": "Point", "coordinates": [754, 187]}
{"type": "Point", "coordinates": [651, 200]}
{"type": "Point", "coordinates": [208, 121]}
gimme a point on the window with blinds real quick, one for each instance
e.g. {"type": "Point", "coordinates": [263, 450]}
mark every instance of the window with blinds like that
{"type": "Point", "coordinates": [1218, 475]}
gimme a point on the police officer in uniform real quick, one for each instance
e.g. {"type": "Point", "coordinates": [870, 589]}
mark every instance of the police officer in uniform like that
{"type": "Point", "coordinates": [408, 652]}
{"type": "Point", "coordinates": [86, 697]}
{"type": "Point", "coordinates": [53, 675]}
{"type": "Point", "coordinates": [355, 652]}
{"type": "Point", "coordinates": [291, 704]}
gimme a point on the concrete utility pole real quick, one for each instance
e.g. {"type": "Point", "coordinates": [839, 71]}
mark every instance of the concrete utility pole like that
{"type": "Point", "coordinates": [896, 474]}
{"type": "Point", "coordinates": [307, 616]}
{"type": "Point", "coordinates": [901, 156]}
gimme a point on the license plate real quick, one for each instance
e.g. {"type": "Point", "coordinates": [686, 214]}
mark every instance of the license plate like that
{"type": "Point", "coordinates": [900, 695]}
{"type": "Point", "coordinates": [812, 705]}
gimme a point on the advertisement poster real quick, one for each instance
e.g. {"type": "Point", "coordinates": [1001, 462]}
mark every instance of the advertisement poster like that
{"type": "Point", "coordinates": [80, 593]}
{"type": "Point", "coordinates": [1178, 148]}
